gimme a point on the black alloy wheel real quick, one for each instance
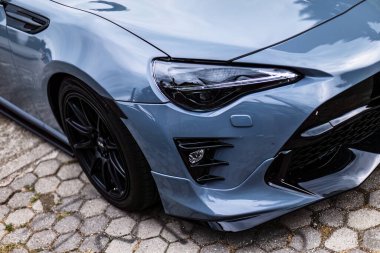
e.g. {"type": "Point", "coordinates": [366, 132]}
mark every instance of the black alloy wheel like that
{"type": "Point", "coordinates": [105, 149]}
{"type": "Point", "coordinates": [97, 147]}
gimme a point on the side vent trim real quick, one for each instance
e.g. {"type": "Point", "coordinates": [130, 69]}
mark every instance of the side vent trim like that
{"type": "Point", "coordinates": [24, 20]}
{"type": "Point", "coordinates": [206, 147]}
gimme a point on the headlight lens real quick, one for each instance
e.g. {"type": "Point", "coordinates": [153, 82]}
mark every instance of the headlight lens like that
{"type": "Point", "coordinates": [202, 87]}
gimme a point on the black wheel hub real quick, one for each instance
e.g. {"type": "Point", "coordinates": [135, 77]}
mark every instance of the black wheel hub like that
{"type": "Point", "coordinates": [95, 146]}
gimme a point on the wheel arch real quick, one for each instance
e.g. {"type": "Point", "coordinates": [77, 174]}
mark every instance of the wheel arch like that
{"type": "Point", "coordinates": [56, 72]}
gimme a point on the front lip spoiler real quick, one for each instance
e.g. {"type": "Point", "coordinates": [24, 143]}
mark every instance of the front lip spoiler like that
{"type": "Point", "coordinates": [354, 174]}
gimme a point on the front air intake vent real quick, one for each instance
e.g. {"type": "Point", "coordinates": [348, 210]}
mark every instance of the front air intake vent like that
{"type": "Point", "coordinates": [198, 155]}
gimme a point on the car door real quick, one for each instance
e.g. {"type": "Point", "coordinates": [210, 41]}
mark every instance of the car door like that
{"type": "Point", "coordinates": [8, 77]}
{"type": "Point", "coordinates": [28, 57]}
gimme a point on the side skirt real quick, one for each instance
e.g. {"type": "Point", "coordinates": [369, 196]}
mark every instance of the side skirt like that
{"type": "Point", "coordinates": [35, 126]}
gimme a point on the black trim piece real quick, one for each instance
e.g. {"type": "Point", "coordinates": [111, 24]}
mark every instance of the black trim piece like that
{"type": "Point", "coordinates": [204, 144]}
{"type": "Point", "coordinates": [24, 20]}
{"type": "Point", "coordinates": [200, 171]}
{"type": "Point", "coordinates": [208, 178]}
{"type": "Point", "coordinates": [49, 137]}
{"type": "Point", "coordinates": [354, 117]}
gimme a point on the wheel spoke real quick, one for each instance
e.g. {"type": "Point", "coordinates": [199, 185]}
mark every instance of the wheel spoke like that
{"type": "Point", "coordinates": [98, 122]}
{"type": "Point", "coordinates": [93, 164]}
{"type": "Point", "coordinates": [111, 146]}
{"type": "Point", "coordinates": [84, 130]}
{"type": "Point", "coordinates": [79, 114]}
{"type": "Point", "coordinates": [114, 162]}
{"type": "Point", "coordinates": [115, 177]}
{"type": "Point", "coordinates": [103, 171]}
{"type": "Point", "coordinates": [83, 145]}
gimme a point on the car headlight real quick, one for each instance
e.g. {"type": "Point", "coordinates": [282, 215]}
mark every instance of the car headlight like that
{"type": "Point", "coordinates": [202, 87]}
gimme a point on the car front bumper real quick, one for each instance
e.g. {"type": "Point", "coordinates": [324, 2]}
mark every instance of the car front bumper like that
{"type": "Point", "coordinates": [275, 129]}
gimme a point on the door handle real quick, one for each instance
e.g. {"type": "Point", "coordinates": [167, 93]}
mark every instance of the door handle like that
{"type": "Point", "coordinates": [24, 20]}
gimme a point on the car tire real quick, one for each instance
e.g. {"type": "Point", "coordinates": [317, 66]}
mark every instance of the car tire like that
{"type": "Point", "coordinates": [105, 149]}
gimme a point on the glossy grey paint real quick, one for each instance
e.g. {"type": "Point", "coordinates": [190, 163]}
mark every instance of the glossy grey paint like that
{"type": "Point", "coordinates": [214, 29]}
{"type": "Point", "coordinates": [7, 72]}
{"type": "Point", "coordinates": [343, 60]}
{"type": "Point", "coordinates": [112, 58]}
{"type": "Point", "coordinates": [116, 64]}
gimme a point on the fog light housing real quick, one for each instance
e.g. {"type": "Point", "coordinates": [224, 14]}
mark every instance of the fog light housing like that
{"type": "Point", "coordinates": [196, 156]}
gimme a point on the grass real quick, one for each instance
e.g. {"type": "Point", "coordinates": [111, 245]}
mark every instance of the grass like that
{"type": "Point", "coordinates": [9, 227]}
{"type": "Point", "coordinates": [36, 197]}
{"type": "Point", "coordinates": [62, 215]}
{"type": "Point", "coordinates": [8, 248]}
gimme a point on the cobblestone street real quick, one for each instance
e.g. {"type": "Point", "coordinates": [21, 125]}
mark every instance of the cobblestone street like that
{"type": "Point", "coordinates": [48, 205]}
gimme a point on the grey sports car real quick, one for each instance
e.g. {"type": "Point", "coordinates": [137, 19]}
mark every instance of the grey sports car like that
{"type": "Point", "coordinates": [230, 113]}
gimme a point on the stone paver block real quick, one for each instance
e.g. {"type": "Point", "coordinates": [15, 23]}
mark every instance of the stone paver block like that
{"type": "Point", "coordinates": [25, 159]}
{"type": "Point", "coordinates": [332, 217]}
{"type": "Point", "coordinates": [156, 245]}
{"type": "Point", "coordinates": [67, 242]}
{"type": "Point", "coordinates": [70, 204]}
{"type": "Point", "coordinates": [19, 249]}
{"type": "Point", "coordinates": [355, 251]}
{"type": "Point", "coordinates": [297, 219]}
{"type": "Point", "coordinates": [121, 226]}
{"type": "Point", "coordinates": [70, 188]}
{"type": "Point", "coordinates": [342, 239]}
{"type": "Point", "coordinates": [364, 219]}
{"type": "Point", "coordinates": [240, 239]}
{"type": "Point", "coordinates": [64, 158]}
{"type": "Point", "coordinates": [5, 193]}
{"type": "Point", "coordinates": [93, 207]}
{"type": "Point", "coordinates": [89, 192]}
{"type": "Point", "coordinates": [114, 212]}
{"type": "Point", "coordinates": [319, 206]}
{"type": "Point", "coordinates": [184, 247]}
{"type": "Point", "coordinates": [26, 180]}
{"type": "Point", "coordinates": [18, 236]}
{"type": "Point", "coordinates": [203, 236]}
{"type": "Point", "coordinates": [41, 240]}
{"type": "Point", "coordinates": [272, 237]}
{"type": "Point", "coordinates": [20, 199]}
{"type": "Point", "coordinates": [372, 182]}
{"type": "Point", "coordinates": [350, 200]}
{"type": "Point", "coordinates": [120, 245]}
{"type": "Point", "coordinates": [215, 248]}
{"type": "Point", "coordinates": [46, 184]}
{"type": "Point", "coordinates": [94, 243]}
{"type": "Point", "coordinates": [149, 228]}
{"type": "Point", "coordinates": [305, 239]}
{"type": "Point", "coordinates": [4, 210]}
{"type": "Point", "coordinates": [69, 171]}
{"type": "Point", "coordinates": [2, 230]}
{"type": "Point", "coordinates": [94, 225]}
{"type": "Point", "coordinates": [20, 217]}
{"type": "Point", "coordinates": [38, 207]}
{"type": "Point", "coordinates": [374, 199]}
{"type": "Point", "coordinates": [67, 224]}
{"type": "Point", "coordinates": [250, 249]}
{"type": "Point", "coordinates": [371, 239]}
{"type": "Point", "coordinates": [174, 231]}
{"type": "Point", "coordinates": [42, 221]}
{"type": "Point", "coordinates": [84, 178]}
{"type": "Point", "coordinates": [47, 168]}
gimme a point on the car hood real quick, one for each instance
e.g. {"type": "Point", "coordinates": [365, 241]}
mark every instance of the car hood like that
{"type": "Point", "coordinates": [214, 29]}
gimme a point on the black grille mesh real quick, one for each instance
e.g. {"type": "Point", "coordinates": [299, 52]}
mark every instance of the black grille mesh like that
{"type": "Point", "coordinates": [348, 134]}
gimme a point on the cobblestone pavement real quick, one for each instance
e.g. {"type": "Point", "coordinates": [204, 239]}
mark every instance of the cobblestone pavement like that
{"type": "Point", "coordinates": [47, 204]}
